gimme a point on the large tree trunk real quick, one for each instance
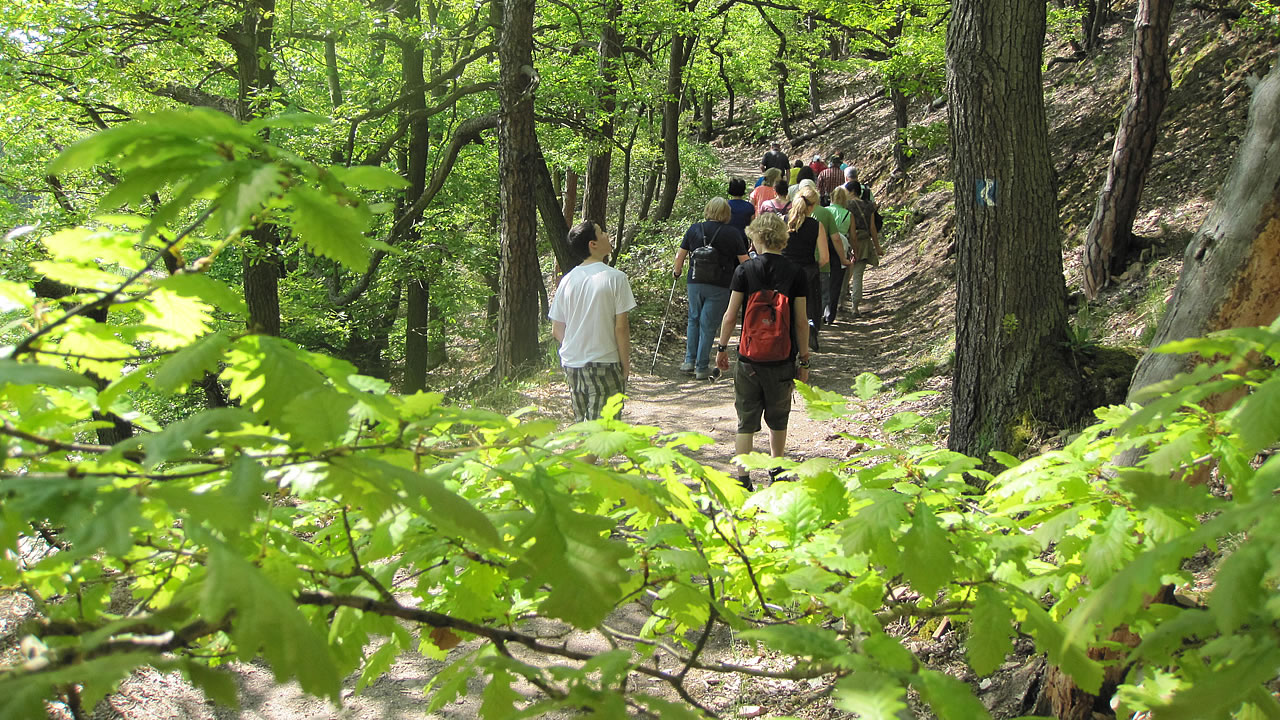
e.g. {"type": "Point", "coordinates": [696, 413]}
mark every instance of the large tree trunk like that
{"type": "Point", "coordinates": [1231, 269]}
{"type": "Point", "coordinates": [549, 208]}
{"type": "Point", "coordinates": [518, 156]}
{"type": "Point", "coordinates": [261, 268]}
{"type": "Point", "coordinates": [1011, 298]}
{"type": "Point", "coordinates": [681, 47]}
{"type": "Point", "coordinates": [1110, 231]}
{"type": "Point", "coordinates": [595, 196]}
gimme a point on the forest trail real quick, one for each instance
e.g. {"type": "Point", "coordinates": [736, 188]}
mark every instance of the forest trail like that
{"type": "Point", "coordinates": [907, 310]}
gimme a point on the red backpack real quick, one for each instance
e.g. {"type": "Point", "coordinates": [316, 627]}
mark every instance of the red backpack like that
{"type": "Point", "coordinates": [766, 324]}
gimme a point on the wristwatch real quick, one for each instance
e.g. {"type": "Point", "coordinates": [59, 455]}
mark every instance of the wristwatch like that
{"type": "Point", "coordinates": [722, 348]}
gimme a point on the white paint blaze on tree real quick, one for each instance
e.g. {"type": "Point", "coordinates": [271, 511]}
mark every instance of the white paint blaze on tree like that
{"type": "Point", "coordinates": [1011, 297]}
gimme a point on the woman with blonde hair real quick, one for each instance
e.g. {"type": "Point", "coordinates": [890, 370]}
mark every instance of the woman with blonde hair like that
{"type": "Point", "coordinates": [808, 247]}
{"type": "Point", "coordinates": [717, 248]}
{"type": "Point", "coordinates": [762, 385]}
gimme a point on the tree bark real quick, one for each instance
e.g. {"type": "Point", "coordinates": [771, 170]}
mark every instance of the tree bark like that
{"type": "Point", "coordinates": [1110, 231]}
{"type": "Point", "coordinates": [1011, 315]}
{"type": "Point", "coordinates": [1231, 269]}
{"type": "Point", "coordinates": [596, 193]}
{"type": "Point", "coordinates": [901, 160]}
{"type": "Point", "coordinates": [261, 268]}
{"type": "Point", "coordinates": [416, 340]}
{"type": "Point", "coordinates": [553, 221]}
{"type": "Point", "coordinates": [705, 134]}
{"type": "Point", "coordinates": [518, 156]}
{"type": "Point", "coordinates": [681, 48]}
{"type": "Point", "coordinates": [570, 196]}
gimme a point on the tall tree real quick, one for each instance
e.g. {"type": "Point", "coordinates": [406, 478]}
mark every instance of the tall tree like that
{"type": "Point", "coordinates": [517, 156]}
{"type": "Point", "coordinates": [1110, 231]}
{"type": "Point", "coordinates": [1011, 297]}
{"type": "Point", "coordinates": [681, 50]}
{"type": "Point", "coordinates": [596, 191]}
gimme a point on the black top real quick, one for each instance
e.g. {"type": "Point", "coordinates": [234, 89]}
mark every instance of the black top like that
{"type": "Point", "coordinates": [803, 244]}
{"type": "Point", "coordinates": [726, 239]}
{"type": "Point", "coordinates": [776, 158]}
{"type": "Point", "coordinates": [775, 272]}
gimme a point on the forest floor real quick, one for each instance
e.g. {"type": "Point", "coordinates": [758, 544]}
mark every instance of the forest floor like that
{"type": "Point", "coordinates": [905, 336]}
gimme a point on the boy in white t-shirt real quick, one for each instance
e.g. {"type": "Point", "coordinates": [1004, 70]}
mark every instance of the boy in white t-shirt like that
{"type": "Point", "coordinates": [589, 318]}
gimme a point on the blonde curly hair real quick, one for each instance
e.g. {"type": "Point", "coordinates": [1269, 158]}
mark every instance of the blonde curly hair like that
{"type": "Point", "coordinates": [769, 231]}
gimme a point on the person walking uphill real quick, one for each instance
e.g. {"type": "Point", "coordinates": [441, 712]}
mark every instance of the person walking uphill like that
{"type": "Point", "coordinates": [808, 248]}
{"type": "Point", "coordinates": [775, 332]}
{"type": "Point", "coordinates": [716, 249]}
{"type": "Point", "coordinates": [589, 319]}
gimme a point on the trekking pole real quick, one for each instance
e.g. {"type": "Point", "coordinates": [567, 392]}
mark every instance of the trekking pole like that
{"type": "Point", "coordinates": [662, 329]}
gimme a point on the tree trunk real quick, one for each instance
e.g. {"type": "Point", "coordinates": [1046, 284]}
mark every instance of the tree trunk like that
{"type": "Point", "coordinates": [650, 190]}
{"type": "Point", "coordinates": [569, 196]}
{"type": "Point", "coordinates": [681, 47]}
{"type": "Point", "coordinates": [1011, 315]}
{"type": "Point", "coordinates": [901, 160]}
{"type": "Point", "coordinates": [708, 116]}
{"type": "Point", "coordinates": [518, 156]}
{"type": "Point", "coordinates": [252, 43]}
{"type": "Point", "coordinates": [416, 339]}
{"type": "Point", "coordinates": [553, 222]}
{"type": "Point", "coordinates": [261, 267]}
{"type": "Point", "coordinates": [1110, 231]}
{"type": "Point", "coordinates": [1231, 269]}
{"type": "Point", "coordinates": [595, 197]}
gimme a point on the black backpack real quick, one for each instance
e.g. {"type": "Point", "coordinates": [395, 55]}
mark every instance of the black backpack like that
{"type": "Point", "coordinates": [706, 264]}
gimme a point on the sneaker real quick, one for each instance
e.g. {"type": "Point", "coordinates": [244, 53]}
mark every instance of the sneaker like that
{"type": "Point", "coordinates": [686, 367]}
{"type": "Point", "coordinates": [745, 482]}
{"type": "Point", "coordinates": [776, 474]}
{"type": "Point", "coordinates": [701, 375]}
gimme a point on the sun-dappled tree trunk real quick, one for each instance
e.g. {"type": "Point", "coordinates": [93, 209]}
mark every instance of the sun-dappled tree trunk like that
{"type": "Point", "coordinates": [1011, 315]}
{"type": "Point", "coordinates": [901, 160]}
{"type": "Point", "coordinates": [596, 193]}
{"type": "Point", "coordinates": [681, 49]}
{"type": "Point", "coordinates": [1110, 231]}
{"type": "Point", "coordinates": [518, 155]}
{"type": "Point", "coordinates": [1231, 269]}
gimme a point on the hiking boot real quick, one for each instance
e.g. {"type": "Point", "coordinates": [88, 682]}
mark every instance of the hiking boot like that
{"type": "Point", "coordinates": [745, 482]}
{"type": "Point", "coordinates": [686, 367]}
{"type": "Point", "coordinates": [701, 375]}
{"type": "Point", "coordinates": [777, 474]}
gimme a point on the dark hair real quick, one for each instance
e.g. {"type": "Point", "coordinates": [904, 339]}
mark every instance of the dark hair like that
{"type": "Point", "coordinates": [806, 173]}
{"type": "Point", "coordinates": [737, 187]}
{"type": "Point", "coordinates": [799, 163]}
{"type": "Point", "coordinates": [580, 237]}
{"type": "Point", "coordinates": [781, 187]}
{"type": "Point", "coordinates": [855, 188]}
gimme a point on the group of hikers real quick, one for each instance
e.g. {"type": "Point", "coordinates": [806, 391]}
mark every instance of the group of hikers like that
{"type": "Point", "coordinates": [812, 234]}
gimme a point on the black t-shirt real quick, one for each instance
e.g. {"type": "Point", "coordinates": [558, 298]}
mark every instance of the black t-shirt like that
{"type": "Point", "coordinates": [776, 273]}
{"type": "Point", "coordinates": [726, 239]}
{"type": "Point", "coordinates": [776, 158]}
{"type": "Point", "coordinates": [803, 244]}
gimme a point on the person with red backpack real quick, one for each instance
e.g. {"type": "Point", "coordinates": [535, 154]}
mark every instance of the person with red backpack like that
{"type": "Point", "coordinates": [771, 293]}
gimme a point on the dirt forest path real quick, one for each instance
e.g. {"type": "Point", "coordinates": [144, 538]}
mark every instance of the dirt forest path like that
{"type": "Point", "coordinates": [906, 314]}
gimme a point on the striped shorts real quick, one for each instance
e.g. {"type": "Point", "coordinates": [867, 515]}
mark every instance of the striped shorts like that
{"type": "Point", "coordinates": [591, 385]}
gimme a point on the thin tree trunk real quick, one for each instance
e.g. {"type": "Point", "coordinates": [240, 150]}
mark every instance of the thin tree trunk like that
{"type": "Point", "coordinates": [901, 160]}
{"type": "Point", "coordinates": [1110, 231]}
{"type": "Point", "coordinates": [570, 196]}
{"type": "Point", "coordinates": [552, 214]}
{"type": "Point", "coordinates": [1011, 297]}
{"type": "Point", "coordinates": [705, 134]}
{"type": "Point", "coordinates": [681, 48]}
{"type": "Point", "coordinates": [417, 344]}
{"type": "Point", "coordinates": [650, 190]}
{"type": "Point", "coordinates": [624, 238]}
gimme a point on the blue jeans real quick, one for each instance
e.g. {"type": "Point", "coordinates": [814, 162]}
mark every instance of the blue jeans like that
{"type": "Point", "coordinates": [707, 304]}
